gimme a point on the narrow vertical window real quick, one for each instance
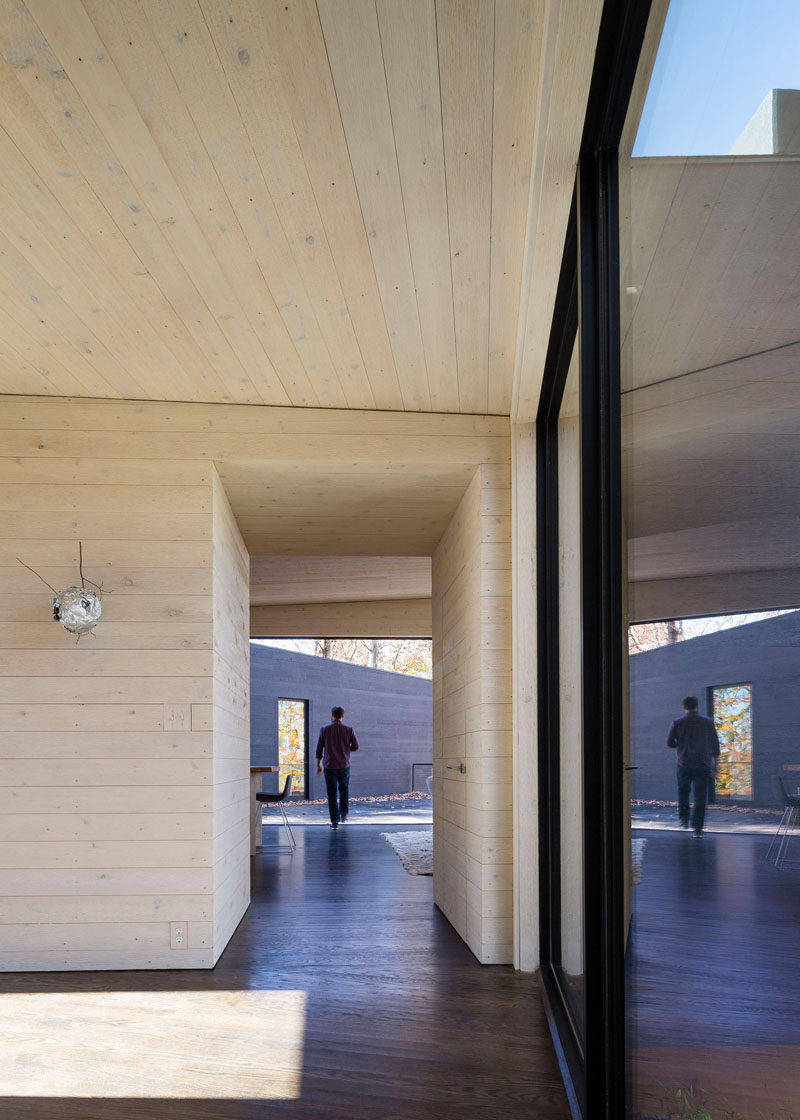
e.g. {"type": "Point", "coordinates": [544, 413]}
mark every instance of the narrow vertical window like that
{"type": "Point", "coordinates": [731, 709]}
{"type": "Point", "coordinates": [292, 735]}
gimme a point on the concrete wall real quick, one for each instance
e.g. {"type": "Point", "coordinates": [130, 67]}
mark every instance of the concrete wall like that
{"type": "Point", "coordinates": [391, 714]}
{"type": "Point", "coordinates": [472, 723]}
{"type": "Point", "coordinates": [766, 654]}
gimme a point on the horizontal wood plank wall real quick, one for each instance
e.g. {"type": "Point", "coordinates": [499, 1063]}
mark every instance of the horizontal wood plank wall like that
{"type": "Point", "coordinates": [106, 780]}
{"type": "Point", "coordinates": [231, 722]}
{"type": "Point", "coordinates": [472, 723]}
{"type": "Point", "coordinates": [386, 618]}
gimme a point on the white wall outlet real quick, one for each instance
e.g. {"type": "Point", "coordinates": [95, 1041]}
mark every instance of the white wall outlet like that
{"type": "Point", "coordinates": [178, 935]}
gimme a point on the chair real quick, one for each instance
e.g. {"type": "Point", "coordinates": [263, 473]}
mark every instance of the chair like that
{"type": "Point", "coordinates": [789, 820]}
{"type": "Point", "coordinates": [278, 799]}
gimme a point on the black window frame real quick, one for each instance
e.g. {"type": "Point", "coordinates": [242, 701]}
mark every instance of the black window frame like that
{"type": "Point", "coordinates": [587, 308]}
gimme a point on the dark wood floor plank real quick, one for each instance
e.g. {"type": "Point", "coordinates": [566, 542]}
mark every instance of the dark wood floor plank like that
{"type": "Point", "coordinates": [401, 1022]}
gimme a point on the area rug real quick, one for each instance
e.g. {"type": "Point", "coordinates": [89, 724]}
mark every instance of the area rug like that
{"type": "Point", "coordinates": [414, 848]}
{"type": "Point", "coordinates": [637, 858]}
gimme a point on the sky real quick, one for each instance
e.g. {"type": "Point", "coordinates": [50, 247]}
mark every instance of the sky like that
{"type": "Point", "coordinates": [717, 61]}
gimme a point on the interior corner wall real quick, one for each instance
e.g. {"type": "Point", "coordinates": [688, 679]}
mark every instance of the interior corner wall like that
{"type": "Point", "coordinates": [472, 718]}
{"type": "Point", "coordinates": [230, 721]}
{"type": "Point", "coordinates": [106, 767]}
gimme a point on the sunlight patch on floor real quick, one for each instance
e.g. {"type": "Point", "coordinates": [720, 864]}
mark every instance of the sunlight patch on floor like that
{"type": "Point", "coordinates": [199, 1045]}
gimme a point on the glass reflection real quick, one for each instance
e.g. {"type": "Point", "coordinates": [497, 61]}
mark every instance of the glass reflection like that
{"type": "Point", "coordinates": [710, 326]}
{"type": "Point", "coordinates": [570, 706]}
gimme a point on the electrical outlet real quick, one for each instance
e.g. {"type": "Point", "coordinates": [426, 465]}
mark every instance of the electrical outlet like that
{"type": "Point", "coordinates": [178, 935]}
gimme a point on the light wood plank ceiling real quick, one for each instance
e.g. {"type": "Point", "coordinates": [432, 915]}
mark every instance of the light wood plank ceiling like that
{"type": "Point", "coordinates": [314, 204]}
{"type": "Point", "coordinates": [711, 353]}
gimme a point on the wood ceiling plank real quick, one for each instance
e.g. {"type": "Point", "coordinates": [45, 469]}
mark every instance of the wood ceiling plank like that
{"type": "Point", "coordinates": [353, 43]}
{"type": "Point", "coordinates": [58, 103]}
{"type": "Point", "coordinates": [369, 536]}
{"type": "Point", "coordinates": [133, 361]}
{"type": "Point", "coordinates": [327, 579]}
{"type": "Point", "coordinates": [519, 29]}
{"type": "Point", "coordinates": [85, 61]}
{"type": "Point", "coordinates": [26, 361]}
{"type": "Point", "coordinates": [147, 59]}
{"type": "Point", "coordinates": [194, 61]}
{"type": "Point", "coordinates": [465, 30]}
{"type": "Point", "coordinates": [250, 67]}
{"type": "Point", "coordinates": [186, 373]}
{"type": "Point", "coordinates": [307, 86]}
{"type": "Point", "coordinates": [42, 315]}
{"type": "Point", "coordinates": [568, 50]}
{"type": "Point", "coordinates": [408, 42]}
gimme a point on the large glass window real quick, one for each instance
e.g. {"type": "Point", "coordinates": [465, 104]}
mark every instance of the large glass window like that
{"type": "Point", "coordinates": [570, 707]}
{"type": "Point", "coordinates": [709, 185]}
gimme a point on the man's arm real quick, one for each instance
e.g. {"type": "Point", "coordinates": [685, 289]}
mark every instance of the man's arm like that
{"type": "Point", "coordinates": [672, 736]}
{"type": "Point", "coordinates": [353, 740]}
{"type": "Point", "coordinates": [714, 747]}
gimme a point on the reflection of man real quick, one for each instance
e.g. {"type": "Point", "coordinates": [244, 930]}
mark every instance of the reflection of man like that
{"type": "Point", "coordinates": [694, 737]}
{"type": "Point", "coordinates": [336, 741]}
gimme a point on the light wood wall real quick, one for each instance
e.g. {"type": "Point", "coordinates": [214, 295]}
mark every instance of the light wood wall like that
{"type": "Point", "coordinates": [472, 718]}
{"type": "Point", "coordinates": [388, 618]}
{"type": "Point", "coordinates": [120, 788]}
{"type": "Point", "coordinates": [230, 720]}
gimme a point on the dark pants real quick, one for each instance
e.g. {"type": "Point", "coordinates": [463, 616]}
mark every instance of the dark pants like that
{"type": "Point", "coordinates": [337, 781]}
{"type": "Point", "coordinates": [693, 779]}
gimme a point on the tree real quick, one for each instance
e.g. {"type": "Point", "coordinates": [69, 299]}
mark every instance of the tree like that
{"type": "Point", "coordinates": [411, 656]}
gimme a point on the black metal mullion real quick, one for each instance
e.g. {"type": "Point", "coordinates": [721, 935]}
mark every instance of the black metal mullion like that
{"type": "Point", "coordinates": [602, 652]}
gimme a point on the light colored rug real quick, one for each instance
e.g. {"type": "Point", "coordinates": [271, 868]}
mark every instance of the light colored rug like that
{"type": "Point", "coordinates": [414, 848]}
{"type": "Point", "coordinates": [637, 859]}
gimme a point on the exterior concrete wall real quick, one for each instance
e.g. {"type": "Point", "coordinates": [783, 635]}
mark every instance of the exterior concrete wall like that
{"type": "Point", "coordinates": [765, 654]}
{"type": "Point", "coordinates": [391, 714]}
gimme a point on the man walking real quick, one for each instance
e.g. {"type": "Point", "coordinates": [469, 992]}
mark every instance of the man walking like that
{"type": "Point", "coordinates": [694, 738]}
{"type": "Point", "coordinates": [336, 741]}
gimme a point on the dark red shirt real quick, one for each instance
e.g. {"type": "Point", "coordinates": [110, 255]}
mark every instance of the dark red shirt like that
{"type": "Point", "coordinates": [695, 739]}
{"type": "Point", "coordinates": [335, 742]}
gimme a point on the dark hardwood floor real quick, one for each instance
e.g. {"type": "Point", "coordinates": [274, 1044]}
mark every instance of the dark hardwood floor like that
{"type": "Point", "coordinates": [343, 994]}
{"type": "Point", "coordinates": [714, 984]}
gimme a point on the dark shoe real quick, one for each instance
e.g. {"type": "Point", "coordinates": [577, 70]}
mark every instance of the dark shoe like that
{"type": "Point", "coordinates": [343, 818]}
{"type": "Point", "coordinates": [334, 825]}
{"type": "Point", "coordinates": [684, 824]}
{"type": "Point", "coordinates": [698, 834]}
